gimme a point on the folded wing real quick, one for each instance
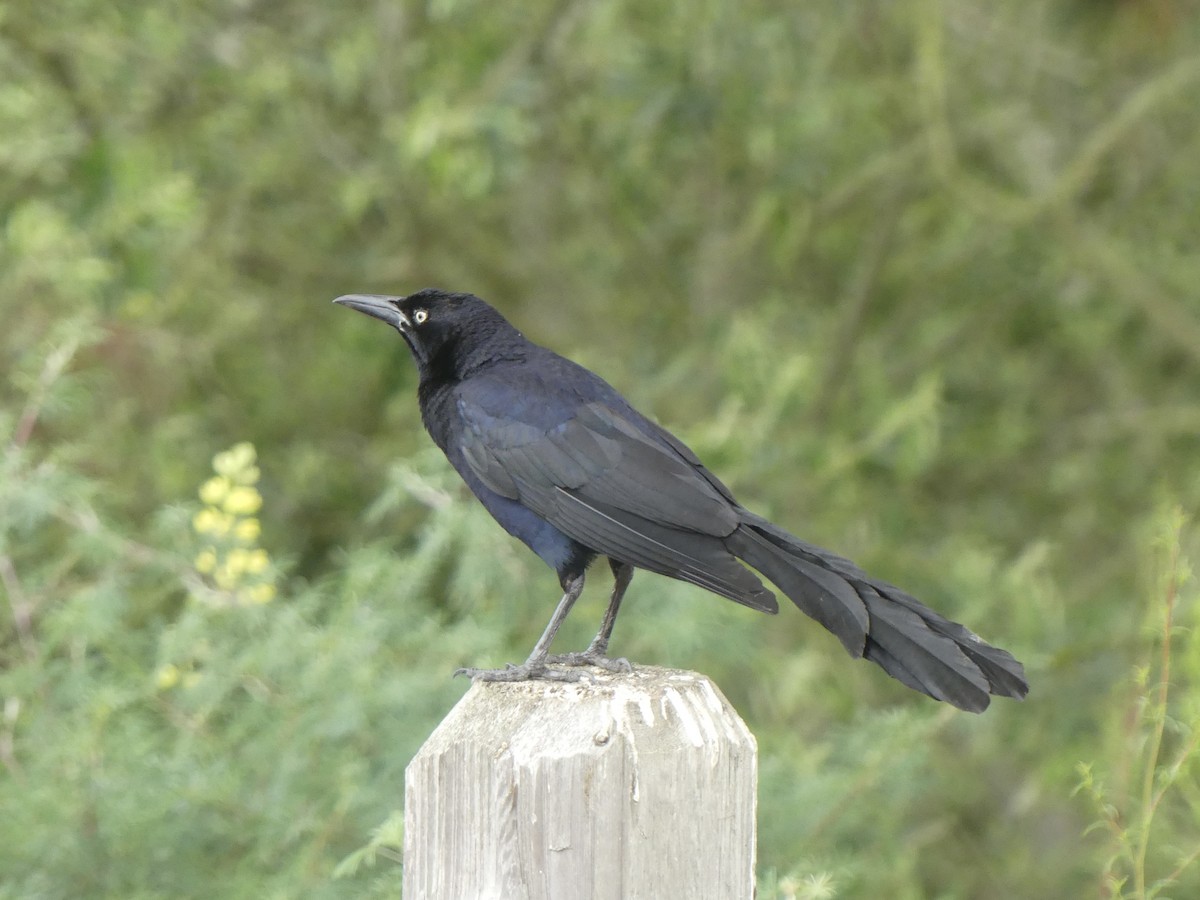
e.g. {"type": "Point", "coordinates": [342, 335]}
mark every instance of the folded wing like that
{"type": "Point", "coordinates": [605, 477]}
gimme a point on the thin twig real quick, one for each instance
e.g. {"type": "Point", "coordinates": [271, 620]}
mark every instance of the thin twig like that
{"type": "Point", "coordinates": [52, 369]}
{"type": "Point", "coordinates": [8, 755]}
{"type": "Point", "coordinates": [19, 605]}
{"type": "Point", "coordinates": [1073, 178]}
{"type": "Point", "coordinates": [1149, 802]}
{"type": "Point", "coordinates": [1183, 865]}
{"type": "Point", "coordinates": [855, 302]}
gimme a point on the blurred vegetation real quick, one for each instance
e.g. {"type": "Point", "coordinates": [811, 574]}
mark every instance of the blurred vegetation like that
{"type": "Point", "coordinates": [918, 280]}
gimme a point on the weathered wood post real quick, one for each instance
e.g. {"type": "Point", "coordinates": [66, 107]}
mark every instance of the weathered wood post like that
{"type": "Point", "coordinates": [636, 785]}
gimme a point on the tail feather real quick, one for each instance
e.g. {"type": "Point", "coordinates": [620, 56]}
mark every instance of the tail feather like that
{"type": "Point", "coordinates": [1005, 676]}
{"type": "Point", "coordinates": [901, 639]}
{"type": "Point", "coordinates": [819, 592]}
{"type": "Point", "coordinates": [880, 622]}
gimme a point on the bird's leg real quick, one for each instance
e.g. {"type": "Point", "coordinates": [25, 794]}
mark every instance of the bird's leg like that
{"type": "Point", "coordinates": [622, 575]}
{"type": "Point", "coordinates": [596, 653]}
{"type": "Point", "coordinates": [535, 667]}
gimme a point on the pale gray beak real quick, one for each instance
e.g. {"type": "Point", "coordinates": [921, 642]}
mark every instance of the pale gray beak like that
{"type": "Point", "coordinates": [379, 307]}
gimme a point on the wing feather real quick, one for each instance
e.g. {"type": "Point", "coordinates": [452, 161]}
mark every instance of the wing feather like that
{"type": "Point", "coordinates": [606, 477]}
{"type": "Point", "coordinates": [601, 455]}
{"type": "Point", "coordinates": [700, 559]}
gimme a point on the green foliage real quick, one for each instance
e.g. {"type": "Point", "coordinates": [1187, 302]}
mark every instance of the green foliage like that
{"type": "Point", "coordinates": [1151, 810]}
{"type": "Point", "coordinates": [791, 887]}
{"type": "Point", "coordinates": [918, 280]}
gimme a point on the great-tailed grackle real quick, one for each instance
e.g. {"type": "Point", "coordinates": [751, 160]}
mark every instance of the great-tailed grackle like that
{"type": "Point", "coordinates": [563, 462]}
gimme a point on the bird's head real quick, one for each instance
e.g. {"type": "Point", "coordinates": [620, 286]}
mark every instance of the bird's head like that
{"type": "Point", "coordinates": [434, 323]}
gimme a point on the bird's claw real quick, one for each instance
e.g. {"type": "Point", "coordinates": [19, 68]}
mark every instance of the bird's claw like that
{"type": "Point", "coordinates": [523, 672]}
{"type": "Point", "coordinates": [591, 658]}
{"type": "Point", "coordinates": [548, 669]}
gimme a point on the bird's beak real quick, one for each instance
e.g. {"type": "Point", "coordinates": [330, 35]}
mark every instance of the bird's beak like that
{"type": "Point", "coordinates": [379, 307]}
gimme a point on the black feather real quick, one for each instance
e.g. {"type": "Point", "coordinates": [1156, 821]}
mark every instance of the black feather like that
{"type": "Point", "coordinates": [565, 464]}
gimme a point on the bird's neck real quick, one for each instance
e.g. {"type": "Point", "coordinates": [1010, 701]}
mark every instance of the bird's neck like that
{"type": "Point", "coordinates": [442, 372]}
{"type": "Point", "coordinates": [457, 360]}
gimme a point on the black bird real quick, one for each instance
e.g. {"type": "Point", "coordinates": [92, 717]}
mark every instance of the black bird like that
{"type": "Point", "coordinates": [563, 462]}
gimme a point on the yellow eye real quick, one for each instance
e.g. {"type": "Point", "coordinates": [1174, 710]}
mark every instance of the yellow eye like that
{"type": "Point", "coordinates": [420, 316]}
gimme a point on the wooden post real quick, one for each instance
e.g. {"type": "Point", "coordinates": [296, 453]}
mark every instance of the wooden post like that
{"type": "Point", "coordinates": [637, 785]}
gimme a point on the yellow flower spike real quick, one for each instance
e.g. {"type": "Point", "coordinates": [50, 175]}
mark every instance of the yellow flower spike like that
{"type": "Point", "coordinates": [245, 454]}
{"type": "Point", "coordinates": [236, 459]}
{"type": "Point", "coordinates": [248, 475]}
{"type": "Point", "coordinates": [206, 560]}
{"type": "Point", "coordinates": [215, 490]}
{"type": "Point", "coordinates": [238, 563]}
{"type": "Point", "coordinates": [230, 529]}
{"type": "Point", "coordinates": [257, 561]}
{"type": "Point", "coordinates": [225, 578]}
{"type": "Point", "coordinates": [243, 501]}
{"type": "Point", "coordinates": [247, 530]}
{"type": "Point", "coordinates": [206, 521]}
{"type": "Point", "coordinates": [166, 677]}
{"type": "Point", "coordinates": [261, 593]}
{"type": "Point", "coordinates": [218, 524]}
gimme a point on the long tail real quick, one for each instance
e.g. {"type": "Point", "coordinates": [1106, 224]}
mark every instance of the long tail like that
{"type": "Point", "coordinates": [880, 622]}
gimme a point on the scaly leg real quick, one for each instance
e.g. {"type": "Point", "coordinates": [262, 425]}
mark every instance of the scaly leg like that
{"type": "Point", "coordinates": [536, 666]}
{"type": "Point", "coordinates": [596, 653]}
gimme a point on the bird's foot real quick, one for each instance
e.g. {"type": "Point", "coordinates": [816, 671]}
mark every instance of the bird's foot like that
{"type": "Point", "coordinates": [526, 671]}
{"type": "Point", "coordinates": [591, 657]}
